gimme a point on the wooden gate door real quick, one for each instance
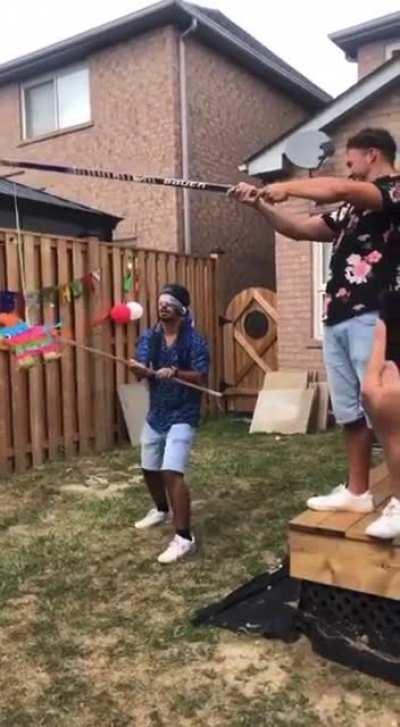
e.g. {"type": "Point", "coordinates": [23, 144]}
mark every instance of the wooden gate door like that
{"type": "Point", "coordinates": [250, 346]}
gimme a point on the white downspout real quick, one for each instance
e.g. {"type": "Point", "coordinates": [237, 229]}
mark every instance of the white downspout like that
{"type": "Point", "coordinates": [185, 132]}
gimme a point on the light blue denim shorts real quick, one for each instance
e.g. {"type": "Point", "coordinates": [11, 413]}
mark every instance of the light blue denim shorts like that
{"type": "Point", "coordinates": [167, 451]}
{"type": "Point", "coordinates": [347, 349]}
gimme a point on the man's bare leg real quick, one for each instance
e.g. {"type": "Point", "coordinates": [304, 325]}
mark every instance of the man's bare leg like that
{"type": "Point", "coordinates": [156, 484]}
{"type": "Point", "coordinates": [358, 439]}
{"type": "Point", "coordinates": [179, 497]}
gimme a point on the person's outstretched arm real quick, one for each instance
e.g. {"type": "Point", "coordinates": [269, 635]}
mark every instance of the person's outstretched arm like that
{"type": "Point", "coordinates": [326, 190]}
{"type": "Point", "coordinates": [298, 228]}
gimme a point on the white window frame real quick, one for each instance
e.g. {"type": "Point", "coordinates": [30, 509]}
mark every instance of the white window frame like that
{"type": "Point", "coordinates": [319, 288]}
{"type": "Point", "coordinates": [45, 79]}
{"type": "Point", "coordinates": [390, 47]}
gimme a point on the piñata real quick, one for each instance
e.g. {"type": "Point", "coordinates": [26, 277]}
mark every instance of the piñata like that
{"type": "Point", "coordinates": [31, 342]}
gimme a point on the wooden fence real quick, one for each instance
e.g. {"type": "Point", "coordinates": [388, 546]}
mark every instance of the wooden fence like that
{"type": "Point", "coordinates": [70, 406]}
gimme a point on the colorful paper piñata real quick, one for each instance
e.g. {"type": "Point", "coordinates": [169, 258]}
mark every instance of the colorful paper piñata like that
{"type": "Point", "coordinates": [31, 342]}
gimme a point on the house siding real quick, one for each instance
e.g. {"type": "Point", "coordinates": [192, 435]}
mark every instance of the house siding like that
{"type": "Point", "coordinates": [232, 114]}
{"type": "Point", "coordinates": [136, 111]}
{"type": "Point", "coordinates": [135, 128]}
{"type": "Point", "coordinates": [370, 56]}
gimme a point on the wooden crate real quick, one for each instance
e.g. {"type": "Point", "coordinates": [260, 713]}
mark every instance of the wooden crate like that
{"type": "Point", "coordinates": [333, 549]}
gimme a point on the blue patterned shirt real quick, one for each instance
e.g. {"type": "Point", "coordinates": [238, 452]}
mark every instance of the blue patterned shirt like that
{"type": "Point", "coordinates": [172, 403]}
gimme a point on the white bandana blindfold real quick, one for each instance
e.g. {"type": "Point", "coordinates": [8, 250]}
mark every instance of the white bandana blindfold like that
{"type": "Point", "coordinates": [167, 299]}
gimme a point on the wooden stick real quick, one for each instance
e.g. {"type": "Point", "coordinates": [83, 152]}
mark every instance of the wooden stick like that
{"type": "Point", "coordinates": [98, 352]}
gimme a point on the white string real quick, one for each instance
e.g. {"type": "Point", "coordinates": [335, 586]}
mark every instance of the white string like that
{"type": "Point", "coordinates": [21, 261]}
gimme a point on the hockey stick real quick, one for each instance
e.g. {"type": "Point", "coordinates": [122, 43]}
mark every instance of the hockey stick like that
{"type": "Point", "coordinates": [119, 176]}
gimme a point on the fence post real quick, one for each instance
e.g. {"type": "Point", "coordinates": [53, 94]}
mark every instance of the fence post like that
{"type": "Point", "coordinates": [218, 312]}
{"type": "Point", "coordinates": [35, 374]}
{"type": "Point", "coordinates": [98, 384]}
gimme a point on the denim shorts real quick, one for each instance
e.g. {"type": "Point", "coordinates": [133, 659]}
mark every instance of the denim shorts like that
{"type": "Point", "coordinates": [166, 451]}
{"type": "Point", "coordinates": [347, 349]}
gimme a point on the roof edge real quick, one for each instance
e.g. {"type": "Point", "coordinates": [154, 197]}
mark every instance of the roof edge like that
{"type": "Point", "coordinates": [83, 43]}
{"type": "Point", "coordinates": [340, 107]}
{"type": "Point", "coordinates": [49, 199]}
{"type": "Point", "coordinates": [350, 39]}
{"type": "Point", "coordinates": [175, 12]}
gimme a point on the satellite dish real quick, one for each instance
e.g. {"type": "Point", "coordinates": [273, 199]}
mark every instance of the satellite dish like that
{"type": "Point", "coordinates": [308, 149]}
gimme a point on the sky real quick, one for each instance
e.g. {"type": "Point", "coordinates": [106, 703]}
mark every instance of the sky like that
{"type": "Point", "coordinates": [295, 30]}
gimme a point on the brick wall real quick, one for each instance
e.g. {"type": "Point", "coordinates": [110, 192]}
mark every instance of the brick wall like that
{"type": "Point", "coordinates": [135, 127]}
{"type": "Point", "coordinates": [294, 270]}
{"type": "Point", "coordinates": [135, 99]}
{"type": "Point", "coordinates": [294, 260]}
{"type": "Point", "coordinates": [370, 56]}
{"type": "Point", "coordinates": [233, 114]}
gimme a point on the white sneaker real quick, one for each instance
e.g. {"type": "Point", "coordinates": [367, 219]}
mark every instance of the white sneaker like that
{"type": "Point", "coordinates": [342, 500]}
{"type": "Point", "coordinates": [178, 548]}
{"type": "Point", "coordinates": [153, 517]}
{"type": "Point", "coordinates": [386, 526]}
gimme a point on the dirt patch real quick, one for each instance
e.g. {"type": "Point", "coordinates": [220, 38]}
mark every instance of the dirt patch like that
{"type": "Point", "coordinates": [22, 681]}
{"type": "Point", "coordinates": [246, 666]}
{"type": "Point", "coordinates": [92, 488]}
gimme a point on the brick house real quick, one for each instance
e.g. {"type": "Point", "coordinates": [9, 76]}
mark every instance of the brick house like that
{"type": "Point", "coordinates": [302, 267]}
{"type": "Point", "coordinates": [175, 90]}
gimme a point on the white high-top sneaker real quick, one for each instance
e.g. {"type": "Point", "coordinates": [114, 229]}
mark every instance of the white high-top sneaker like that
{"type": "Point", "coordinates": [387, 526]}
{"type": "Point", "coordinates": [342, 500]}
{"type": "Point", "coordinates": [153, 517]}
{"type": "Point", "coordinates": [177, 549]}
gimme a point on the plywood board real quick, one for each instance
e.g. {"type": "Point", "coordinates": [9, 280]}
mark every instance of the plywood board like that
{"type": "Point", "coordinates": [332, 523]}
{"type": "Point", "coordinates": [134, 399]}
{"type": "Point", "coordinates": [286, 379]}
{"type": "Point", "coordinates": [357, 530]}
{"type": "Point", "coordinates": [378, 475]}
{"type": "Point", "coordinates": [282, 411]}
{"type": "Point", "coordinates": [380, 483]}
{"type": "Point", "coordinates": [319, 415]}
{"type": "Point", "coordinates": [369, 567]}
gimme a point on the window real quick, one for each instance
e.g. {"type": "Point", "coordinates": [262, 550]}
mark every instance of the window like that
{"type": "Point", "coordinates": [392, 49]}
{"type": "Point", "coordinates": [322, 255]}
{"type": "Point", "coordinates": [56, 102]}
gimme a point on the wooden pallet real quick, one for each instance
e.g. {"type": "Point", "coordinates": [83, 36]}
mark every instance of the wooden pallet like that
{"type": "Point", "coordinates": [332, 548]}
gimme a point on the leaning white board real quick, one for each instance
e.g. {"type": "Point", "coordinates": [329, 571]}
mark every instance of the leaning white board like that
{"type": "Point", "coordinates": [134, 399]}
{"type": "Point", "coordinates": [285, 411]}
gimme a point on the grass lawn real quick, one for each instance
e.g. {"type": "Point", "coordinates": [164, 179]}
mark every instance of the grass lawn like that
{"type": "Point", "coordinates": [95, 633]}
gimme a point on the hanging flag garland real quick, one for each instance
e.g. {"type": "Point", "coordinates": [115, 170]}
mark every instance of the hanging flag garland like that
{"type": "Point", "coordinates": [127, 283]}
{"type": "Point", "coordinates": [130, 281]}
{"type": "Point", "coordinates": [68, 291]}
{"type": "Point", "coordinates": [10, 299]}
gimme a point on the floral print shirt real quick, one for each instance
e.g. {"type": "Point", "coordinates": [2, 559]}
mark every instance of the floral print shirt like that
{"type": "Point", "coordinates": [365, 259]}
